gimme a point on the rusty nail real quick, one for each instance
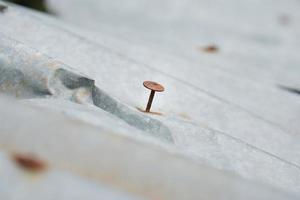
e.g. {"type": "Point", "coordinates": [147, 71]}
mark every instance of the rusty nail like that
{"type": "Point", "coordinates": [154, 87]}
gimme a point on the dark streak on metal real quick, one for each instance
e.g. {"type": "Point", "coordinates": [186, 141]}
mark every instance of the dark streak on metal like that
{"type": "Point", "coordinates": [2, 8]}
{"type": "Point", "coordinates": [290, 89]}
{"type": "Point", "coordinates": [39, 5]}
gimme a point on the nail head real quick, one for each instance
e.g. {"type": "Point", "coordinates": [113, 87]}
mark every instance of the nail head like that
{"type": "Point", "coordinates": [153, 86]}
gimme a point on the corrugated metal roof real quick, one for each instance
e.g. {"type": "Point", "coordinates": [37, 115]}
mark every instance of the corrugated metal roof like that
{"type": "Point", "coordinates": [226, 125]}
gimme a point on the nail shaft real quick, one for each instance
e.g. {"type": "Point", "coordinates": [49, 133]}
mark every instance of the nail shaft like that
{"type": "Point", "coordinates": [150, 101]}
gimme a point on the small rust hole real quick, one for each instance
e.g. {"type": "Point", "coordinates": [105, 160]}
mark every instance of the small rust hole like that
{"type": "Point", "coordinates": [29, 162]}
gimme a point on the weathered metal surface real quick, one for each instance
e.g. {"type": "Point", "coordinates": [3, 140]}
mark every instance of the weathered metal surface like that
{"type": "Point", "coordinates": [101, 157]}
{"type": "Point", "coordinates": [216, 148]}
{"type": "Point", "coordinates": [230, 117]}
{"type": "Point", "coordinates": [256, 53]}
{"type": "Point", "coordinates": [53, 183]}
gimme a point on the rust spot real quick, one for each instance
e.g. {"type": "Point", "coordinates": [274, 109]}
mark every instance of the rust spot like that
{"type": "Point", "coordinates": [3, 8]}
{"type": "Point", "coordinates": [210, 49]}
{"type": "Point", "coordinates": [150, 112]}
{"type": "Point", "coordinates": [29, 162]}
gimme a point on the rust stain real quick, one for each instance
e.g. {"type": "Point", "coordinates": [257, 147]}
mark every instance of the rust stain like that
{"type": "Point", "coordinates": [150, 112]}
{"type": "Point", "coordinates": [53, 65]}
{"type": "Point", "coordinates": [29, 162]}
{"type": "Point", "coordinates": [184, 115]}
{"type": "Point", "coordinates": [209, 49]}
{"type": "Point", "coordinates": [112, 177]}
